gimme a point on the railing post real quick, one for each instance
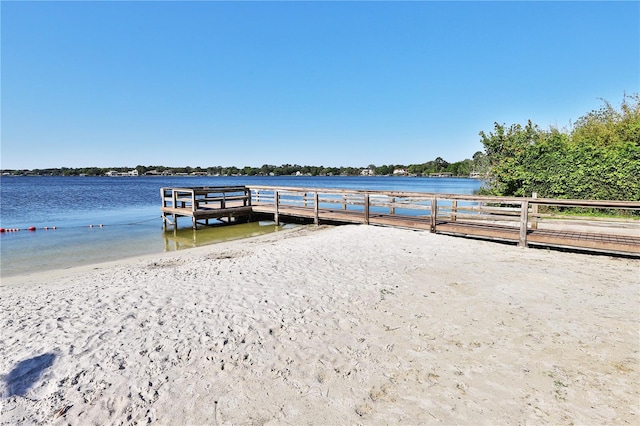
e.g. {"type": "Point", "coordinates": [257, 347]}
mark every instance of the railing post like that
{"type": "Point", "coordinates": [344, 201]}
{"type": "Point", "coordinates": [366, 208]}
{"type": "Point", "coordinates": [434, 211]}
{"type": "Point", "coordinates": [194, 205]}
{"type": "Point", "coordinates": [454, 209]}
{"type": "Point", "coordinates": [316, 209]}
{"type": "Point", "coordinates": [524, 219]}
{"type": "Point", "coordinates": [392, 209]}
{"type": "Point", "coordinates": [534, 212]}
{"type": "Point", "coordinates": [276, 200]}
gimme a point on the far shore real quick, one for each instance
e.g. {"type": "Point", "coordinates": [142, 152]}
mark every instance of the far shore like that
{"type": "Point", "coordinates": [326, 325]}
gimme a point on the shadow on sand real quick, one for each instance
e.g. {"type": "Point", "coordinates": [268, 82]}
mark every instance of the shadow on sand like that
{"type": "Point", "coordinates": [26, 373]}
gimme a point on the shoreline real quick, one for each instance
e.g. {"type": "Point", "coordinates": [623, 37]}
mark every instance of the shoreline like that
{"type": "Point", "coordinates": [27, 278]}
{"type": "Point", "coordinates": [350, 324]}
{"type": "Point", "coordinates": [65, 250]}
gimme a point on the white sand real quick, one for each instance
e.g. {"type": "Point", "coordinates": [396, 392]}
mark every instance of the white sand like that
{"type": "Point", "coordinates": [347, 325]}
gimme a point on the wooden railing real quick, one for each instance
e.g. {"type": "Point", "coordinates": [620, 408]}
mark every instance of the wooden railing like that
{"type": "Point", "coordinates": [205, 197]}
{"type": "Point", "coordinates": [203, 203]}
{"type": "Point", "coordinates": [512, 218]}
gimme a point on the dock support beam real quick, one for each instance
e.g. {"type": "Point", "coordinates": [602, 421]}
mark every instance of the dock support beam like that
{"type": "Point", "coordinates": [524, 219]}
{"type": "Point", "coordinates": [366, 209]}
{"type": "Point", "coordinates": [434, 211]}
{"type": "Point", "coordinates": [276, 201]}
{"type": "Point", "coordinates": [534, 212]}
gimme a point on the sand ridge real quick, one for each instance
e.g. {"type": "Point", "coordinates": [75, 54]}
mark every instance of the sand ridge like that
{"type": "Point", "coordinates": [329, 325]}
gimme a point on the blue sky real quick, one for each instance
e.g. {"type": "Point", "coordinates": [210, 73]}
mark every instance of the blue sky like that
{"type": "Point", "coordinates": [312, 83]}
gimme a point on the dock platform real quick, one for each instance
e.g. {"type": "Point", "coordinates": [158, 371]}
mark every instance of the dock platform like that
{"type": "Point", "coordinates": [201, 204]}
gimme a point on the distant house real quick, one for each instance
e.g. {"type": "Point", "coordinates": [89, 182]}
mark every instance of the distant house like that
{"type": "Point", "coordinates": [113, 173]}
{"type": "Point", "coordinates": [478, 175]}
{"type": "Point", "coordinates": [400, 172]}
{"type": "Point", "coordinates": [368, 172]}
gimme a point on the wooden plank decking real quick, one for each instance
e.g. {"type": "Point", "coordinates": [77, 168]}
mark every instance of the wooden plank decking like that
{"type": "Point", "coordinates": [512, 220]}
{"type": "Point", "coordinates": [611, 243]}
{"type": "Point", "coordinates": [345, 216]}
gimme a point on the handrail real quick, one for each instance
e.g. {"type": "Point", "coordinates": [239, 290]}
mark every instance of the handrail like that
{"type": "Point", "coordinates": [524, 210]}
{"type": "Point", "coordinates": [623, 204]}
{"type": "Point", "coordinates": [201, 201]}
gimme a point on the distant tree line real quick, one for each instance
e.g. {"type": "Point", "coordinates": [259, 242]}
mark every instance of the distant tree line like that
{"type": "Point", "coordinates": [599, 158]}
{"type": "Point", "coordinates": [478, 164]}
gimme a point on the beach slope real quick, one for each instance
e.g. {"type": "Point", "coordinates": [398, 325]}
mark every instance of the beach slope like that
{"type": "Point", "coordinates": [328, 325]}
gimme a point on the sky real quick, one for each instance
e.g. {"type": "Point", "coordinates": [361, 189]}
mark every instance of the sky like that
{"type": "Point", "coordinates": [322, 83]}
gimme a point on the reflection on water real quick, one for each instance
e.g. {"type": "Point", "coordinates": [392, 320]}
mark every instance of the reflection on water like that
{"type": "Point", "coordinates": [25, 252]}
{"type": "Point", "coordinates": [188, 237]}
{"type": "Point", "coordinates": [129, 210]}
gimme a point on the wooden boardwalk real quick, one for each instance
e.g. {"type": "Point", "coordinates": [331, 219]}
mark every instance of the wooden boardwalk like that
{"type": "Point", "coordinates": [612, 243]}
{"type": "Point", "coordinates": [618, 244]}
{"type": "Point", "coordinates": [514, 220]}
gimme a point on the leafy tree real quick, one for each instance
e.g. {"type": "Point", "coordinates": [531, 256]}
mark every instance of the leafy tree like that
{"type": "Point", "coordinates": [384, 170]}
{"type": "Point", "coordinates": [460, 168]}
{"type": "Point", "coordinates": [608, 126]}
{"type": "Point", "coordinates": [249, 171]}
{"type": "Point", "coordinates": [441, 165]}
{"type": "Point", "coordinates": [480, 163]}
{"type": "Point", "coordinates": [599, 159]}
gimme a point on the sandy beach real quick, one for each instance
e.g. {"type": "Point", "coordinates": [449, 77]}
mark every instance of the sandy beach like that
{"type": "Point", "coordinates": [323, 326]}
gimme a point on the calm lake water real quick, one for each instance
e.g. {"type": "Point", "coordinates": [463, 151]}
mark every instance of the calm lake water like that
{"type": "Point", "coordinates": [128, 208]}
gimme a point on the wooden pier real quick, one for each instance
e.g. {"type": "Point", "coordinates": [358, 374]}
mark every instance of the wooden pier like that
{"type": "Point", "coordinates": [514, 220]}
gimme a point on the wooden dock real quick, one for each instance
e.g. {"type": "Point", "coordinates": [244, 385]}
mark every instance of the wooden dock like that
{"type": "Point", "coordinates": [512, 220]}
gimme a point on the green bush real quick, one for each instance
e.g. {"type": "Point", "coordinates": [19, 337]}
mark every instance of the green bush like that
{"type": "Point", "coordinates": [598, 159]}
